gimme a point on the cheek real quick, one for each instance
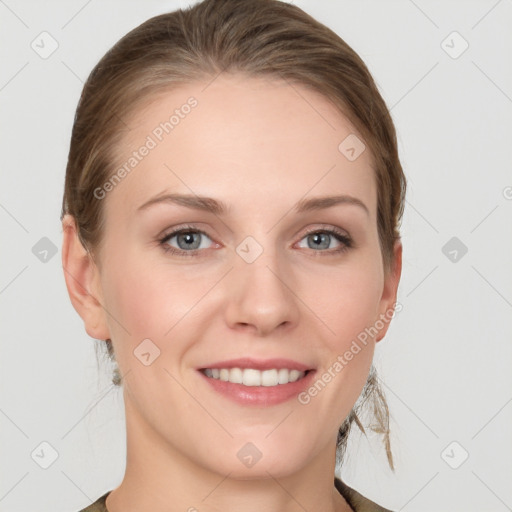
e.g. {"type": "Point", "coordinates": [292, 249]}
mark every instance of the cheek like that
{"type": "Point", "coordinates": [349, 303]}
{"type": "Point", "coordinates": [349, 308]}
{"type": "Point", "coordinates": [146, 299]}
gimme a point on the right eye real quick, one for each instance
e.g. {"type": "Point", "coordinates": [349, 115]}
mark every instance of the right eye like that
{"type": "Point", "coordinates": [185, 241]}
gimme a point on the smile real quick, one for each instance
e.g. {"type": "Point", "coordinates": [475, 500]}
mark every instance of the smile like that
{"type": "Point", "coordinates": [255, 382]}
{"type": "Point", "coordinates": [254, 377]}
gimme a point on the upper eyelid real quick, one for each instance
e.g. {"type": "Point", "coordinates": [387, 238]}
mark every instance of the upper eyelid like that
{"type": "Point", "coordinates": [325, 227]}
{"type": "Point", "coordinates": [177, 230]}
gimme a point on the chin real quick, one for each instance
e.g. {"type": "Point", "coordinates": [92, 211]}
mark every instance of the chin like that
{"type": "Point", "coordinates": [261, 459]}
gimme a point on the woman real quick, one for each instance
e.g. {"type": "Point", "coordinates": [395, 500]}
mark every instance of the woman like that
{"type": "Point", "coordinates": [230, 229]}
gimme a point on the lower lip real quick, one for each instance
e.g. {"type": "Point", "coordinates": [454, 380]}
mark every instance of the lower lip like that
{"type": "Point", "coordinates": [260, 395]}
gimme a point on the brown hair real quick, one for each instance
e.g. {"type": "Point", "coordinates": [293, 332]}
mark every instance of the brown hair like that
{"type": "Point", "coordinates": [256, 38]}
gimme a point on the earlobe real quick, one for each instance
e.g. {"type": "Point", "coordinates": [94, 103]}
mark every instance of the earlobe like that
{"type": "Point", "coordinates": [82, 281]}
{"type": "Point", "coordinates": [389, 294]}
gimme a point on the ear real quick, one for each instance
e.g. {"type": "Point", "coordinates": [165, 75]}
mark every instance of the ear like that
{"type": "Point", "coordinates": [83, 281]}
{"type": "Point", "coordinates": [389, 292]}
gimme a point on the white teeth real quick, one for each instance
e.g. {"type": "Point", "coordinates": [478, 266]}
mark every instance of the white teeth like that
{"type": "Point", "coordinates": [269, 378]}
{"type": "Point", "coordinates": [282, 376]}
{"type": "Point", "coordinates": [252, 377]}
{"type": "Point", "coordinates": [294, 375]}
{"type": "Point", "coordinates": [236, 376]}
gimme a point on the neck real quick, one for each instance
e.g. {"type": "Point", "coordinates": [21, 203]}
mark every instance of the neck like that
{"type": "Point", "coordinates": [158, 475]}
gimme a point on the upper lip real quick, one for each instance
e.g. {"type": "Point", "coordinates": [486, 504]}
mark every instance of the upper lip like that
{"type": "Point", "coordinates": [259, 364]}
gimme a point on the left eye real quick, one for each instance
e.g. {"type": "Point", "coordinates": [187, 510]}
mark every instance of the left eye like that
{"type": "Point", "coordinates": [323, 240]}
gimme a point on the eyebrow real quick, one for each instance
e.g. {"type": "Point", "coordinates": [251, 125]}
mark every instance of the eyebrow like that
{"type": "Point", "coordinates": [206, 204]}
{"type": "Point", "coordinates": [216, 207]}
{"type": "Point", "coordinates": [319, 203]}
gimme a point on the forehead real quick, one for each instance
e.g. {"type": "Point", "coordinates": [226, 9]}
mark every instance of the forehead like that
{"type": "Point", "coordinates": [240, 138]}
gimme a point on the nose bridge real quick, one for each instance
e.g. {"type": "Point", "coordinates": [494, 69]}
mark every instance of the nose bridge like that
{"type": "Point", "coordinates": [258, 292]}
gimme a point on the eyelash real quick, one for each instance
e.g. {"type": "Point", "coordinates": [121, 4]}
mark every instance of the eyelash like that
{"type": "Point", "coordinates": [344, 239]}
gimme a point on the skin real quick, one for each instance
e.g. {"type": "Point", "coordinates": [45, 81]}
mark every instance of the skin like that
{"type": "Point", "coordinates": [259, 146]}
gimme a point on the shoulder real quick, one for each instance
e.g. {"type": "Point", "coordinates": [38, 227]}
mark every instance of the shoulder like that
{"type": "Point", "coordinates": [98, 506]}
{"type": "Point", "coordinates": [356, 500]}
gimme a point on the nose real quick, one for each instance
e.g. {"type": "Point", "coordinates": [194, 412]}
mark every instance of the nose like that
{"type": "Point", "coordinates": [260, 297]}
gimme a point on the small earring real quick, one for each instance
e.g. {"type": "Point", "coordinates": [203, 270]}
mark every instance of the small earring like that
{"type": "Point", "coordinates": [116, 375]}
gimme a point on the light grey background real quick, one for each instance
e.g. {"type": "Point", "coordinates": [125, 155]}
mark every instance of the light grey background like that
{"type": "Point", "coordinates": [446, 361]}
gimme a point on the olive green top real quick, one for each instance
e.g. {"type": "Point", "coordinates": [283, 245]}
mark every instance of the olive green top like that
{"type": "Point", "coordinates": [356, 501]}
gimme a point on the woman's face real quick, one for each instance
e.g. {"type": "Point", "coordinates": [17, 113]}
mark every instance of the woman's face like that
{"type": "Point", "coordinates": [263, 277]}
